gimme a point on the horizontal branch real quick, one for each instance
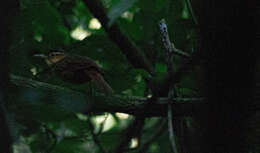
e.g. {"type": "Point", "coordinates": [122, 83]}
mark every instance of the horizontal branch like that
{"type": "Point", "coordinates": [98, 102]}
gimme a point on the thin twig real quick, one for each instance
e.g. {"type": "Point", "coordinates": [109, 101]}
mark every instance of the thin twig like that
{"type": "Point", "coordinates": [143, 147]}
{"type": "Point", "coordinates": [94, 136]}
{"type": "Point", "coordinates": [171, 132]}
{"type": "Point", "coordinates": [102, 125]}
{"type": "Point", "coordinates": [192, 12]}
{"type": "Point", "coordinates": [180, 52]}
{"type": "Point", "coordinates": [169, 47]}
{"type": "Point", "coordinates": [132, 131]}
{"type": "Point", "coordinates": [54, 136]}
{"type": "Point", "coordinates": [170, 124]}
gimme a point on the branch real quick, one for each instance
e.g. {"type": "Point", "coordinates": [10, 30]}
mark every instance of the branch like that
{"type": "Point", "coordinates": [180, 52]}
{"type": "Point", "coordinates": [9, 11]}
{"type": "Point", "coordinates": [192, 12]}
{"type": "Point", "coordinates": [97, 102]}
{"type": "Point", "coordinates": [194, 59]}
{"type": "Point", "coordinates": [101, 128]}
{"type": "Point", "coordinates": [132, 131]}
{"type": "Point", "coordinates": [143, 147]}
{"type": "Point", "coordinates": [169, 47]}
{"type": "Point", "coordinates": [133, 54]}
{"type": "Point", "coordinates": [94, 137]}
{"type": "Point", "coordinates": [170, 129]}
{"type": "Point", "coordinates": [53, 135]}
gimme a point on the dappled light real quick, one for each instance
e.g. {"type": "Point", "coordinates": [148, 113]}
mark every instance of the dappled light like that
{"type": "Point", "coordinates": [90, 74]}
{"type": "Point", "coordinates": [94, 24]}
{"type": "Point", "coordinates": [122, 115]}
{"type": "Point", "coordinates": [134, 143]}
{"type": "Point", "coordinates": [129, 76]}
{"type": "Point", "coordinates": [107, 121]}
{"type": "Point", "coordinates": [79, 33]}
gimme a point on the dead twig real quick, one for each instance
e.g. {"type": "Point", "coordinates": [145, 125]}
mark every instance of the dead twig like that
{"type": "Point", "coordinates": [169, 47]}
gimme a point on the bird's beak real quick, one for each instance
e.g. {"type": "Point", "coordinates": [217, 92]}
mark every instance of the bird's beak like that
{"type": "Point", "coordinates": [40, 55]}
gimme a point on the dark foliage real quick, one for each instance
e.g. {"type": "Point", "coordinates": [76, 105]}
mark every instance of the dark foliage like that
{"type": "Point", "coordinates": [215, 57]}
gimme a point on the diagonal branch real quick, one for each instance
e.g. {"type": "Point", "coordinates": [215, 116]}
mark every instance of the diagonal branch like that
{"type": "Point", "coordinates": [54, 137]}
{"type": "Point", "coordinates": [159, 130]}
{"type": "Point", "coordinates": [194, 18]}
{"type": "Point", "coordinates": [180, 52]}
{"type": "Point", "coordinates": [133, 54]}
{"type": "Point", "coordinates": [95, 136]}
{"type": "Point", "coordinates": [131, 132]}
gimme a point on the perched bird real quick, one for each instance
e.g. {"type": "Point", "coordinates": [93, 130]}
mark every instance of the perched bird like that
{"type": "Point", "coordinates": [76, 69]}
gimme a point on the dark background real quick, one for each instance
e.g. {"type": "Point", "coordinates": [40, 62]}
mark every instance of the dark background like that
{"type": "Point", "coordinates": [63, 117]}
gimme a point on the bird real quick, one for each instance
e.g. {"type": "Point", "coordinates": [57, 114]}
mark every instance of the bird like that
{"type": "Point", "coordinates": [76, 69]}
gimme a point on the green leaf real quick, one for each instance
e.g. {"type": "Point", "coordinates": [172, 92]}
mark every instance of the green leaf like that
{"type": "Point", "coordinates": [44, 24]}
{"type": "Point", "coordinates": [37, 105]}
{"type": "Point", "coordinates": [110, 139]}
{"type": "Point", "coordinates": [70, 146]}
{"type": "Point", "coordinates": [159, 67]}
{"type": "Point", "coordinates": [79, 127]}
{"type": "Point", "coordinates": [186, 92]}
{"type": "Point", "coordinates": [118, 9]}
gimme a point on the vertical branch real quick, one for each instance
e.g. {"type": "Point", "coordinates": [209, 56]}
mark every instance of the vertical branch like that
{"type": "Point", "coordinates": [7, 13]}
{"type": "Point", "coordinates": [170, 125]}
{"type": "Point", "coordinates": [168, 59]}
{"type": "Point", "coordinates": [94, 136]}
{"type": "Point", "coordinates": [132, 131]}
{"type": "Point", "coordinates": [168, 46]}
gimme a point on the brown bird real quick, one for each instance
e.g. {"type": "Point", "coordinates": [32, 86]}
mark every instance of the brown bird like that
{"type": "Point", "coordinates": [76, 69]}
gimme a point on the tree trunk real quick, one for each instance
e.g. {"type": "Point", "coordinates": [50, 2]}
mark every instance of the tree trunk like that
{"type": "Point", "coordinates": [8, 10]}
{"type": "Point", "coordinates": [227, 46]}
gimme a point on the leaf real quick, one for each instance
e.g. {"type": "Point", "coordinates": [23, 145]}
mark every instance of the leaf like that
{"type": "Point", "coordinates": [118, 9]}
{"type": "Point", "coordinates": [186, 92]}
{"type": "Point", "coordinates": [70, 146]}
{"type": "Point", "coordinates": [156, 6]}
{"type": "Point", "coordinates": [38, 105]}
{"type": "Point", "coordinates": [110, 139]}
{"type": "Point", "coordinates": [41, 142]}
{"type": "Point", "coordinates": [160, 67]}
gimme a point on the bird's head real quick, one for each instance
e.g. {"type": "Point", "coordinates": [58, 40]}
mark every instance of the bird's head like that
{"type": "Point", "coordinates": [52, 57]}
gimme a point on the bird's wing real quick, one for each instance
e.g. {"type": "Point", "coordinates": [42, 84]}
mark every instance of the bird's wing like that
{"type": "Point", "coordinates": [78, 63]}
{"type": "Point", "coordinates": [99, 81]}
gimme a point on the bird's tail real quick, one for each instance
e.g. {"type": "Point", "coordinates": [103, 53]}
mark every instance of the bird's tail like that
{"type": "Point", "coordinates": [98, 79]}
